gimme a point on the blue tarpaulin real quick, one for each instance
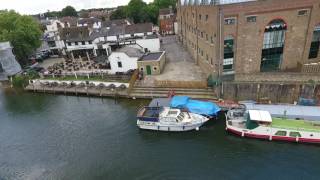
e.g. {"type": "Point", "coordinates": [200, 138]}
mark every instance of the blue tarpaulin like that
{"type": "Point", "coordinates": [195, 106]}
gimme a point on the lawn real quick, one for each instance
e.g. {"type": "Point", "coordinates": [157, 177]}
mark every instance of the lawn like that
{"type": "Point", "coordinates": [295, 124]}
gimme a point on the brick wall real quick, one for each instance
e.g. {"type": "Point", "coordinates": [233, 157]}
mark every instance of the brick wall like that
{"type": "Point", "coordinates": [278, 77]}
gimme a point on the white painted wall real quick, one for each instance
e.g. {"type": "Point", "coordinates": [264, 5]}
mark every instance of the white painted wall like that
{"type": "Point", "coordinates": [175, 26]}
{"type": "Point", "coordinates": [153, 45]}
{"type": "Point", "coordinates": [127, 62]}
{"type": "Point", "coordinates": [79, 46]}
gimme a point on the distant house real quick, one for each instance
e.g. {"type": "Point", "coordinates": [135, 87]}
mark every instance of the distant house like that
{"type": "Point", "coordinates": [124, 59]}
{"type": "Point", "coordinates": [138, 30]}
{"type": "Point", "coordinates": [91, 22]}
{"type": "Point", "coordinates": [167, 20]}
{"type": "Point", "coordinates": [8, 64]}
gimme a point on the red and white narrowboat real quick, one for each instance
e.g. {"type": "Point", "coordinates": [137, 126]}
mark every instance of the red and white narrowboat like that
{"type": "Point", "coordinates": [259, 124]}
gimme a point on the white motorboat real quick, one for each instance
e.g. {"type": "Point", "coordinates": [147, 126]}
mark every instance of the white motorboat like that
{"type": "Point", "coordinates": [169, 119]}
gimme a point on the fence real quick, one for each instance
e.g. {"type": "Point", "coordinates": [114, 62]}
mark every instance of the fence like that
{"type": "Point", "coordinates": [311, 68]}
{"type": "Point", "coordinates": [181, 84]}
{"type": "Point", "coordinates": [132, 81]}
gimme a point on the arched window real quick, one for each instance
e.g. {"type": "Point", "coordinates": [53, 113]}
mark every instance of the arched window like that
{"type": "Point", "coordinates": [273, 44]}
{"type": "Point", "coordinates": [315, 44]}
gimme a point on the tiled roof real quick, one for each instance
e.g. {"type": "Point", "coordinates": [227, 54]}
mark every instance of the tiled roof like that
{"type": "Point", "coordinates": [74, 34]}
{"type": "Point", "coordinates": [151, 56]}
{"type": "Point", "coordinates": [88, 20]}
{"type": "Point", "coordinates": [138, 28]}
{"type": "Point", "coordinates": [116, 22]}
{"type": "Point", "coordinates": [68, 19]}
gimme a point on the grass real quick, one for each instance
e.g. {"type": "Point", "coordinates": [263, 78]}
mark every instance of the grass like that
{"type": "Point", "coordinates": [295, 124]}
{"type": "Point", "coordinates": [84, 78]}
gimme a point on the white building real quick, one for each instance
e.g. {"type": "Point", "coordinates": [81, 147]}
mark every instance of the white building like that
{"type": "Point", "coordinates": [52, 36]}
{"type": "Point", "coordinates": [124, 59]}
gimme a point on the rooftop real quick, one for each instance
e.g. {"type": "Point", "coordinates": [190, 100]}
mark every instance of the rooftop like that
{"type": "Point", "coordinates": [130, 51]}
{"type": "Point", "coordinates": [152, 56]}
{"type": "Point", "coordinates": [212, 2]}
{"type": "Point", "coordinates": [138, 28]}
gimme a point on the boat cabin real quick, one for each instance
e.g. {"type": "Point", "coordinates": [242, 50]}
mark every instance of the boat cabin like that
{"type": "Point", "coordinates": [255, 118]}
{"type": "Point", "coordinates": [149, 114]}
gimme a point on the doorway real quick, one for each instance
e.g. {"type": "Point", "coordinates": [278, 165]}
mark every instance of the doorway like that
{"type": "Point", "coordinates": [148, 70]}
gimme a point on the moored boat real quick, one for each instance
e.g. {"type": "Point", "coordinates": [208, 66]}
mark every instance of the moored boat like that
{"type": "Point", "coordinates": [169, 119]}
{"type": "Point", "coordinates": [259, 124]}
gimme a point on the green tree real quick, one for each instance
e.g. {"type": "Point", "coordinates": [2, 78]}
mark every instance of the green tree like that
{"type": "Point", "coordinates": [23, 32]}
{"type": "Point", "coordinates": [136, 11]}
{"type": "Point", "coordinates": [69, 11]}
{"type": "Point", "coordinates": [120, 13]}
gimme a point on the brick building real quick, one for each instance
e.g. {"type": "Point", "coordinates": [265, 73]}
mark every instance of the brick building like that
{"type": "Point", "coordinates": [166, 21]}
{"type": "Point", "coordinates": [246, 37]}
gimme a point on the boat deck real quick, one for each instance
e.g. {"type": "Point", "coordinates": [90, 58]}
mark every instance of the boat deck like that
{"type": "Point", "coordinates": [296, 124]}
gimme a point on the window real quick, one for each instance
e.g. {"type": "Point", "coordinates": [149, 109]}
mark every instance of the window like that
{"type": "Point", "coordinates": [281, 133]}
{"type": "Point", "coordinates": [273, 45]}
{"type": "Point", "coordinates": [230, 21]}
{"type": "Point", "coordinates": [199, 16]}
{"type": "Point", "coordinates": [228, 54]}
{"type": "Point", "coordinates": [69, 43]}
{"type": "Point", "coordinates": [192, 15]}
{"type": "Point", "coordinates": [207, 38]}
{"type": "Point", "coordinates": [207, 17]}
{"type": "Point", "coordinates": [303, 12]}
{"type": "Point", "coordinates": [83, 43]}
{"type": "Point", "coordinates": [315, 44]}
{"type": "Point", "coordinates": [155, 68]}
{"type": "Point", "coordinates": [211, 40]}
{"type": "Point", "coordinates": [201, 34]}
{"type": "Point", "coordinates": [119, 64]}
{"type": "Point", "coordinates": [90, 42]}
{"type": "Point", "coordinates": [202, 53]}
{"type": "Point", "coordinates": [207, 57]}
{"type": "Point", "coordinates": [294, 134]}
{"type": "Point", "coordinates": [252, 19]}
{"type": "Point", "coordinates": [76, 43]}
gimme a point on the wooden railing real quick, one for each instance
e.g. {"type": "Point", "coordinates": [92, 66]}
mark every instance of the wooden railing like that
{"type": "Point", "coordinates": [181, 84]}
{"type": "Point", "coordinates": [132, 81]}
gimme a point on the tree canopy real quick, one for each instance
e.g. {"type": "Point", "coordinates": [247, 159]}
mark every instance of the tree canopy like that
{"type": "Point", "coordinates": [139, 11]}
{"type": "Point", "coordinates": [69, 11]}
{"type": "Point", "coordinates": [23, 32]}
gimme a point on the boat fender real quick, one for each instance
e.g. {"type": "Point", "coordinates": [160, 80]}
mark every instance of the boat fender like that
{"type": "Point", "coordinates": [242, 134]}
{"type": "Point", "coordinates": [168, 128]}
{"type": "Point", "coordinates": [183, 127]}
{"type": "Point", "coordinates": [197, 128]}
{"type": "Point", "coordinates": [270, 138]}
{"type": "Point", "coordinates": [297, 139]}
{"type": "Point", "coordinates": [158, 127]}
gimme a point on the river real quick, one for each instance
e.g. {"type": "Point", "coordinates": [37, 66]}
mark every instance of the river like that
{"type": "Point", "coordinates": [67, 137]}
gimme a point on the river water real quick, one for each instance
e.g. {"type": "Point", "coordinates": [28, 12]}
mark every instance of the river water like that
{"type": "Point", "coordinates": [66, 137]}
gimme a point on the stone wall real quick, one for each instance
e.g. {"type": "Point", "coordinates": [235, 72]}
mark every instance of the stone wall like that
{"type": "Point", "coordinates": [278, 77]}
{"type": "Point", "coordinates": [276, 93]}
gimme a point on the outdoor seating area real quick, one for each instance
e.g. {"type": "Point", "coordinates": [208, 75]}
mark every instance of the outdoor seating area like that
{"type": "Point", "coordinates": [81, 64]}
{"type": "Point", "coordinates": [80, 84]}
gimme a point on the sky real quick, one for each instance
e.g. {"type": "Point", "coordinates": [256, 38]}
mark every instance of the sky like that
{"type": "Point", "coordinates": [41, 6]}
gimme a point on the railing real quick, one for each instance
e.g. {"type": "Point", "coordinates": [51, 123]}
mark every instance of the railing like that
{"type": "Point", "coordinates": [311, 68]}
{"type": "Point", "coordinates": [181, 84]}
{"type": "Point", "coordinates": [132, 81]}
